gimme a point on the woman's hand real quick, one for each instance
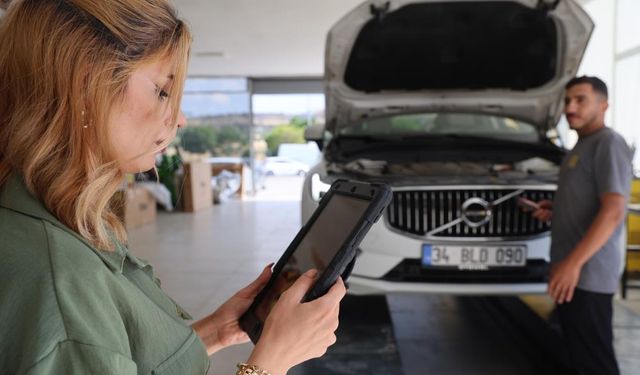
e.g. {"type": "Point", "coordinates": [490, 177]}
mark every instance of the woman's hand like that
{"type": "Point", "coordinates": [545, 212]}
{"type": "Point", "coordinates": [222, 329]}
{"type": "Point", "coordinates": [295, 332]}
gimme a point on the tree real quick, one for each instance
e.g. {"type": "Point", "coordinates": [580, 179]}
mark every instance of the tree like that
{"type": "Point", "coordinates": [232, 134]}
{"type": "Point", "coordinates": [298, 122]}
{"type": "Point", "coordinates": [284, 134]}
{"type": "Point", "coordinates": [167, 174]}
{"type": "Point", "coordinates": [233, 140]}
{"type": "Point", "coordinates": [198, 139]}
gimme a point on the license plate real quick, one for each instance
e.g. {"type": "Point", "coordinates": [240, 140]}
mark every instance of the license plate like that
{"type": "Point", "coordinates": [474, 257]}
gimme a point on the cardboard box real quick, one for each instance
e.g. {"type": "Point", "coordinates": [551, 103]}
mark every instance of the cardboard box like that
{"type": "Point", "coordinates": [197, 193]}
{"type": "Point", "coordinates": [135, 206]}
{"type": "Point", "coordinates": [217, 168]}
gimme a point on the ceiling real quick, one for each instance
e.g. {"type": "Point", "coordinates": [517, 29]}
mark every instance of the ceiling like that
{"type": "Point", "coordinates": [260, 38]}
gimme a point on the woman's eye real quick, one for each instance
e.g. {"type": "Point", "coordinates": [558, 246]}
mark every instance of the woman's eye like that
{"type": "Point", "coordinates": [163, 95]}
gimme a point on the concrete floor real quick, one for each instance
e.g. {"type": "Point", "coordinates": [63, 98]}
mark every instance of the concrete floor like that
{"type": "Point", "coordinates": [203, 258]}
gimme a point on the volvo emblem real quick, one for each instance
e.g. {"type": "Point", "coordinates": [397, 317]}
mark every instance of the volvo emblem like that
{"type": "Point", "coordinates": [476, 212]}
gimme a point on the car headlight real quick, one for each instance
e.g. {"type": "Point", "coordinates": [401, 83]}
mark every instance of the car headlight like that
{"type": "Point", "coordinates": [318, 188]}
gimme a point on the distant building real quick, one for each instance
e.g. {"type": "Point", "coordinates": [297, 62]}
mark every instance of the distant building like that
{"type": "Point", "coordinates": [222, 120]}
{"type": "Point", "coordinates": [271, 119]}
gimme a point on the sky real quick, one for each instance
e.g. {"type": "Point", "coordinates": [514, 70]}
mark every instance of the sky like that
{"type": "Point", "coordinates": [291, 104]}
{"type": "Point", "coordinates": [212, 104]}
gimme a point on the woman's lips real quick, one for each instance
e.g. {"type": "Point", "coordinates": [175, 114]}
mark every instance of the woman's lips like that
{"type": "Point", "coordinates": [158, 143]}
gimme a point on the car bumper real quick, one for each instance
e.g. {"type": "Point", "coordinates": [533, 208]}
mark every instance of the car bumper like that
{"type": "Point", "coordinates": [362, 286]}
{"type": "Point", "coordinates": [391, 262]}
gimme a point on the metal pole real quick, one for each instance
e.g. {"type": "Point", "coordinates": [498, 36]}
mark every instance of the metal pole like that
{"type": "Point", "coordinates": [252, 152]}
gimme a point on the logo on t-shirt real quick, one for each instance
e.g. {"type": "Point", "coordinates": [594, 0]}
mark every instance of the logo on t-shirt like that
{"type": "Point", "coordinates": [573, 160]}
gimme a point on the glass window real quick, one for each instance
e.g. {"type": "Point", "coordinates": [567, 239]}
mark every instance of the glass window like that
{"type": "Point", "coordinates": [218, 117]}
{"type": "Point", "coordinates": [441, 124]}
{"type": "Point", "coordinates": [281, 151]}
{"type": "Point", "coordinates": [628, 27]}
{"type": "Point", "coordinates": [280, 119]}
{"type": "Point", "coordinates": [196, 85]}
{"type": "Point", "coordinates": [291, 105]}
{"type": "Point", "coordinates": [196, 106]}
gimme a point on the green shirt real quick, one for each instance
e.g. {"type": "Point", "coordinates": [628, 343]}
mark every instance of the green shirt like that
{"type": "Point", "coordinates": [68, 308]}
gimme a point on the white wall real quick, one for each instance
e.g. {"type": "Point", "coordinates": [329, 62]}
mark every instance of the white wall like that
{"type": "Point", "coordinates": [627, 73]}
{"type": "Point", "coordinates": [614, 56]}
{"type": "Point", "coordinates": [599, 56]}
{"type": "Point", "coordinates": [598, 59]}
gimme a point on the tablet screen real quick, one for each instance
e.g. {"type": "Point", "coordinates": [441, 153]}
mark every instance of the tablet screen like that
{"type": "Point", "coordinates": [316, 250]}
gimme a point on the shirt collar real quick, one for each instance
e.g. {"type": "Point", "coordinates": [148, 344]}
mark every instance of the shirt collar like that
{"type": "Point", "coordinates": [15, 196]}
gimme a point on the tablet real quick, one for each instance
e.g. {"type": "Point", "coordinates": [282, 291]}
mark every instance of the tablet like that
{"type": "Point", "coordinates": [327, 242]}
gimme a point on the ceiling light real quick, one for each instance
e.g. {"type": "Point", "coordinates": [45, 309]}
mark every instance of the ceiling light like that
{"type": "Point", "coordinates": [216, 54]}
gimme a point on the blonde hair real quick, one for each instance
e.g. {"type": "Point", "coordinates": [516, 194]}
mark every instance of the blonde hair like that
{"type": "Point", "coordinates": [63, 65]}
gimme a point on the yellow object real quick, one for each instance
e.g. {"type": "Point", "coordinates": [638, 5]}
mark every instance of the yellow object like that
{"type": "Point", "coordinates": [541, 304]}
{"type": "Point", "coordinates": [633, 228]}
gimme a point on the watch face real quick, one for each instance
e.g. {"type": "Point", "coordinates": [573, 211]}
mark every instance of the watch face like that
{"type": "Point", "coordinates": [245, 369]}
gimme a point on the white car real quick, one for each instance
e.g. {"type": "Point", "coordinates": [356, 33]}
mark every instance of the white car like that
{"type": "Point", "coordinates": [280, 166]}
{"type": "Point", "coordinates": [455, 105]}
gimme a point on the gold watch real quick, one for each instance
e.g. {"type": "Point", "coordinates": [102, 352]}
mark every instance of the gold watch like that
{"type": "Point", "coordinates": [246, 369]}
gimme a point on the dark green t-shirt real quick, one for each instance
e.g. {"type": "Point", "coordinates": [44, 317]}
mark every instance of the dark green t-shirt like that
{"type": "Point", "coordinates": [68, 308]}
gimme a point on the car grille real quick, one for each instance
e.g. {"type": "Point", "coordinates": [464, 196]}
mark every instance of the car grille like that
{"type": "Point", "coordinates": [421, 211]}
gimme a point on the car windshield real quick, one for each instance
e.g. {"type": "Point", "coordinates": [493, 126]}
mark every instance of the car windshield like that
{"type": "Point", "coordinates": [445, 124]}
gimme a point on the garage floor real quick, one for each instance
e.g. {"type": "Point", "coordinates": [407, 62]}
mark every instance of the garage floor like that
{"type": "Point", "coordinates": [203, 258]}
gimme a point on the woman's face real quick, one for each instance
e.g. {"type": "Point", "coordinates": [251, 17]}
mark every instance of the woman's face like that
{"type": "Point", "coordinates": [140, 124]}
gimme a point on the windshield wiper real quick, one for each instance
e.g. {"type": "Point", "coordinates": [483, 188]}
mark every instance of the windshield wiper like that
{"type": "Point", "coordinates": [459, 137]}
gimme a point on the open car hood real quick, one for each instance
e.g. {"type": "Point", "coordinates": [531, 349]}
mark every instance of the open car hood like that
{"type": "Point", "coordinates": [500, 57]}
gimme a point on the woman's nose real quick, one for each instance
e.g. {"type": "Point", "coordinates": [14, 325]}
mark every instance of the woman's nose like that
{"type": "Point", "coordinates": [182, 120]}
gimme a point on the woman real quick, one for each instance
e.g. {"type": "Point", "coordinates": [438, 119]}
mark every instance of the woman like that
{"type": "Point", "coordinates": [90, 91]}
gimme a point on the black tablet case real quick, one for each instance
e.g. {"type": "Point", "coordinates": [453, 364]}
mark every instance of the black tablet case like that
{"type": "Point", "coordinates": [378, 195]}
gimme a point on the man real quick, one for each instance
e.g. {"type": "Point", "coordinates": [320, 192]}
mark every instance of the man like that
{"type": "Point", "coordinates": [588, 213]}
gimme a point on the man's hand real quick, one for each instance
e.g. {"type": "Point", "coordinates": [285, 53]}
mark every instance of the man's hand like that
{"type": "Point", "coordinates": [565, 275]}
{"type": "Point", "coordinates": [545, 212]}
{"type": "Point", "coordinates": [563, 280]}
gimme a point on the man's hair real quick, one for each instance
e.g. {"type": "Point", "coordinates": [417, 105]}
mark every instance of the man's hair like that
{"type": "Point", "coordinates": [596, 84]}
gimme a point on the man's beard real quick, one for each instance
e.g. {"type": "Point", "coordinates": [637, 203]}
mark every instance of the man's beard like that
{"type": "Point", "coordinates": [587, 123]}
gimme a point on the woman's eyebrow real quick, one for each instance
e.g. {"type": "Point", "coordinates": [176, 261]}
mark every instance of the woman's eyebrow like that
{"type": "Point", "coordinates": [163, 81]}
{"type": "Point", "coordinates": [168, 81]}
